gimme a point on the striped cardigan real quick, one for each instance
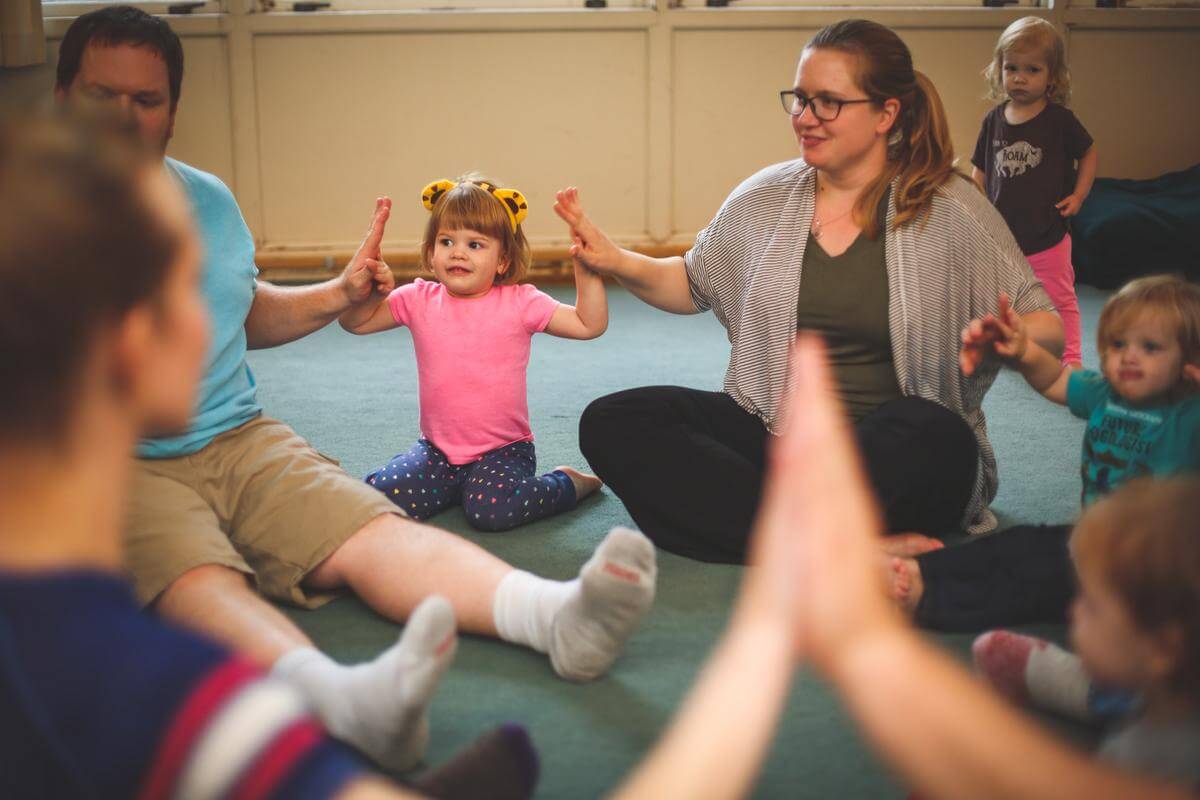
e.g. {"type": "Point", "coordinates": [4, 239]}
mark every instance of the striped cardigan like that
{"type": "Point", "coordinates": [944, 269]}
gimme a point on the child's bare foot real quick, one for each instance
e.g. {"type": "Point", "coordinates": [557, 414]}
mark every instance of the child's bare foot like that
{"type": "Point", "coordinates": [909, 545]}
{"type": "Point", "coordinates": [585, 484]}
{"type": "Point", "coordinates": [906, 584]}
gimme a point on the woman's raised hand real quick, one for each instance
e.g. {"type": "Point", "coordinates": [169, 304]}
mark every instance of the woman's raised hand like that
{"type": "Point", "coordinates": [590, 245]}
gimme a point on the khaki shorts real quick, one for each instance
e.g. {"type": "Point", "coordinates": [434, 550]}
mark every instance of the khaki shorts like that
{"type": "Point", "coordinates": [258, 499]}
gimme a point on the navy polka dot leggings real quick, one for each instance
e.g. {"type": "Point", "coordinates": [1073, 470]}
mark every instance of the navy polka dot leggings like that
{"type": "Point", "coordinates": [498, 491]}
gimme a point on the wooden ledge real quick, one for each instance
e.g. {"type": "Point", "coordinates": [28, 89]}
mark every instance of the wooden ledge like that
{"type": "Point", "coordinates": [550, 264]}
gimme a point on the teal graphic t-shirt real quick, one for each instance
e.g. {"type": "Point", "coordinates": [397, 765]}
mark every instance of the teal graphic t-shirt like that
{"type": "Point", "coordinates": [1123, 442]}
{"type": "Point", "coordinates": [227, 392]}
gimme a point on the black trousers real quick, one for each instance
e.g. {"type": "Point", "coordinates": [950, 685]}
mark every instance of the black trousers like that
{"type": "Point", "coordinates": [688, 465]}
{"type": "Point", "coordinates": [1012, 577]}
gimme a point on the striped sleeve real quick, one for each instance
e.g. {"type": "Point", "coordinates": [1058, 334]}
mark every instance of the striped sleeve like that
{"type": "Point", "coordinates": [243, 736]}
{"type": "Point", "coordinates": [735, 237]}
{"type": "Point", "coordinates": [695, 261]}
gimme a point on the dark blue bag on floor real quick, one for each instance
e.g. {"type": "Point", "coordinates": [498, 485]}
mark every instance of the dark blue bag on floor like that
{"type": "Point", "coordinates": [1128, 228]}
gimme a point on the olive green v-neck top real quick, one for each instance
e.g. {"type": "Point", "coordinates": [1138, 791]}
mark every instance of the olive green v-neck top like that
{"type": "Point", "coordinates": [845, 299]}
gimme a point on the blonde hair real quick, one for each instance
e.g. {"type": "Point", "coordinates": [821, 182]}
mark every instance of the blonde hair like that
{"type": "Point", "coordinates": [920, 151]}
{"type": "Point", "coordinates": [1031, 33]}
{"type": "Point", "coordinates": [469, 205]}
{"type": "Point", "coordinates": [1143, 541]}
{"type": "Point", "coordinates": [1169, 297]}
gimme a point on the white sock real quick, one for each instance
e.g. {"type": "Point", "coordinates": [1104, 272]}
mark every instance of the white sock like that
{"type": "Point", "coordinates": [583, 624]}
{"type": "Point", "coordinates": [381, 706]}
{"type": "Point", "coordinates": [525, 606]}
{"type": "Point", "coordinates": [1057, 682]}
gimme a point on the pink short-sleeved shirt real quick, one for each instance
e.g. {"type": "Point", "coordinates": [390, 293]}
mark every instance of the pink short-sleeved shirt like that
{"type": "Point", "coordinates": [471, 361]}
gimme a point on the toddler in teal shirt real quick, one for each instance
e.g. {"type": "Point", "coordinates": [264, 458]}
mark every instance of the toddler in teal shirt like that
{"type": "Point", "coordinates": [1143, 419]}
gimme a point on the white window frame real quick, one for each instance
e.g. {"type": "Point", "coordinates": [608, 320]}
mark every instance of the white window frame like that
{"type": "Point", "coordinates": [825, 5]}
{"type": "Point", "coordinates": [1167, 4]}
{"type": "Point", "coordinates": [342, 6]}
{"type": "Point", "coordinates": [73, 8]}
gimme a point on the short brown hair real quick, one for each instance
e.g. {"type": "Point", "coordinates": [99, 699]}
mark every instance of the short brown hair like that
{"type": "Point", "coordinates": [120, 25]}
{"type": "Point", "coordinates": [1177, 300]}
{"type": "Point", "coordinates": [469, 205]}
{"type": "Point", "coordinates": [1144, 541]}
{"type": "Point", "coordinates": [79, 248]}
{"type": "Point", "coordinates": [1031, 33]}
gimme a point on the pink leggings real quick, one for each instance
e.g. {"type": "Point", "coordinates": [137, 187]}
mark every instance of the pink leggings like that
{"type": "Point", "coordinates": [1053, 268]}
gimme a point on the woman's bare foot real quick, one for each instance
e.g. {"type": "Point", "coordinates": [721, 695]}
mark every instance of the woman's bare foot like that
{"type": "Point", "coordinates": [909, 545]}
{"type": "Point", "coordinates": [906, 584]}
{"type": "Point", "coordinates": [585, 484]}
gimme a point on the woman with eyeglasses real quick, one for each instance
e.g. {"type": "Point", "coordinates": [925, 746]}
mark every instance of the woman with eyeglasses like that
{"type": "Point", "coordinates": [873, 239]}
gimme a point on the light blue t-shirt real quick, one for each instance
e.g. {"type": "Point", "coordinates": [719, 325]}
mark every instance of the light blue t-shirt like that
{"type": "Point", "coordinates": [227, 395]}
{"type": "Point", "coordinates": [1123, 442]}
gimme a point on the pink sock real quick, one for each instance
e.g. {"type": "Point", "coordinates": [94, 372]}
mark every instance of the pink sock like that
{"type": "Point", "coordinates": [1034, 672]}
{"type": "Point", "coordinates": [1001, 657]}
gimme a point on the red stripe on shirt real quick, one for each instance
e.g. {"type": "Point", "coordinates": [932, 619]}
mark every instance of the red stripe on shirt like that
{"type": "Point", "coordinates": [278, 759]}
{"type": "Point", "coordinates": [190, 721]}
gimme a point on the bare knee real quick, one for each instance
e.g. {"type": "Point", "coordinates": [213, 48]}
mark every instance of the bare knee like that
{"type": "Point", "coordinates": [386, 536]}
{"type": "Point", "coordinates": [181, 595]}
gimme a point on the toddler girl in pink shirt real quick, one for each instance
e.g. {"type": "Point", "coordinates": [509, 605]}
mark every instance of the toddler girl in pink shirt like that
{"type": "Point", "coordinates": [471, 330]}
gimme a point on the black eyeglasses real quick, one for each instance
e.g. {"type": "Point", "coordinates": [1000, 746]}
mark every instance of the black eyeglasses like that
{"type": "Point", "coordinates": [825, 109]}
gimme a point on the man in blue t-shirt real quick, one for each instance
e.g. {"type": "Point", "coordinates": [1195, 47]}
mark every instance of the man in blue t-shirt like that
{"type": "Point", "coordinates": [96, 698]}
{"type": "Point", "coordinates": [241, 496]}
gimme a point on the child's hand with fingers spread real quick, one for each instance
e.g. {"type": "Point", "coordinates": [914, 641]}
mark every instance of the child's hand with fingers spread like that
{"type": "Point", "coordinates": [589, 242]}
{"type": "Point", "coordinates": [1012, 338]}
{"type": "Point", "coordinates": [1003, 334]}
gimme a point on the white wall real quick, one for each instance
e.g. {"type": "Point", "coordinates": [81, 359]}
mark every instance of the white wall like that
{"type": "Point", "coordinates": [656, 115]}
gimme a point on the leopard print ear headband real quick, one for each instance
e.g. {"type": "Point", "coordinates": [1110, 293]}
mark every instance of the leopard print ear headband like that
{"type": "Point", "coordinates": [512, 200]}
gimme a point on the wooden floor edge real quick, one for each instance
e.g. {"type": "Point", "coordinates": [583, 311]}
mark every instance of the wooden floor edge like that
{"type": "Point", "coordinates": [550, 264]}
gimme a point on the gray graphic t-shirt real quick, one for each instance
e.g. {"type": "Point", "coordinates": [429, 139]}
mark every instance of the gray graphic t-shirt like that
{"type": "Point", "coordinates": [1028, 168]}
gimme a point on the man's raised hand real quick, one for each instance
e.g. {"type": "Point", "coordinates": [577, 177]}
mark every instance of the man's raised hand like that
{"type": "Point", "coordinates": [367, 273]}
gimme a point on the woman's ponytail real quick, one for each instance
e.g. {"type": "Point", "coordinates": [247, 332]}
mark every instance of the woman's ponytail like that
{"type": "Point", "coordinates": [924, 154]}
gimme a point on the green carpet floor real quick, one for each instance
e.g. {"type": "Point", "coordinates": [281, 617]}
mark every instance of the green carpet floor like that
{"type": "Point", "coordinates": [356, 399]}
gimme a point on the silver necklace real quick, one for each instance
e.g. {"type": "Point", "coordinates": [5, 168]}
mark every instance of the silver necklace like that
{"type": "Point", "coordinates": [818, 224]}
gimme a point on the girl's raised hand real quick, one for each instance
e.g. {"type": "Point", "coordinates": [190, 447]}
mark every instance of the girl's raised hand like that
{"type": "Point", "coordinates": [590, 245]}
{"type": "Point", "coordinates": [583, 271]}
